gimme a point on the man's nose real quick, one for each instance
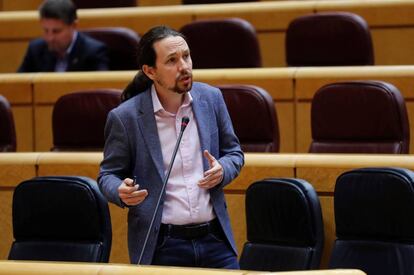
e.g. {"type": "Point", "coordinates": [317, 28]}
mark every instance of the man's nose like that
{"type": "Point", "coordinates": [183, 65]}
{"type": "Point", "coordinates": [48, 36]}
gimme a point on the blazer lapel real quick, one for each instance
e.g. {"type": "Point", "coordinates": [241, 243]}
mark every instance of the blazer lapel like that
{"type": "Point", "coordinates": [149, 130]}
{"type": "Point", "coordinates": [202, 116]}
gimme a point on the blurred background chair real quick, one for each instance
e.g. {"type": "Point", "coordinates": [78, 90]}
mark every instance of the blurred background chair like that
{"type": "Point", "coordinates": [60, 219]}
{"type": "Point", "coordinates": [7, 130]}
{"type": "Point", "coordinates": [93, 4]}
{"type": "Point", "coordinates": [254, 117]}
{"type": "Point", "coordinates": [122, 44]}
{"type": "Point", "coordinates": [78, 119]}
{"type": "Point", "coordinates": [222, 43]}
{"type": "Point", "coordinates": [374, 217]}
{"type": "Point", "coordinates": [284, 226]}
{"type": "Point", "coordinates": [329, 39]}
{"type": "Point", "coordinates": [359, 117]}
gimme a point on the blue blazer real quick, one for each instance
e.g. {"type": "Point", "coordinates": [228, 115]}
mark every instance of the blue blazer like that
{"type": "Point", "coordinates": [133, 147]}
{"type": "Point", "coordinates": [87, 54]}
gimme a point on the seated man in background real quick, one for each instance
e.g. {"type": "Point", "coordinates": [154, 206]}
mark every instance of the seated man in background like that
{"type": "Point", "coordinates": [62, 48]}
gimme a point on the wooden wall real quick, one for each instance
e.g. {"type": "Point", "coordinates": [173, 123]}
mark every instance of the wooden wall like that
{"type": "Point", "coordinates": [320, 170]}
{"type": "Point", "coordinates": [391, 23]}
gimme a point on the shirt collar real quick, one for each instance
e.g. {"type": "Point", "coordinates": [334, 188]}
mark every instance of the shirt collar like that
{"type": "Point", "coordinates": [188, 99]}
{"type": "Point", "coordinates": [72, 44]}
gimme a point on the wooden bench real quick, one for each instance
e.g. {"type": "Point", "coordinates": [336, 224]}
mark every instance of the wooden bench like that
{"type": "Point", "coordinates": [391, 23]}
{"type": "Point", "coordinates": [33, 95]}
{"type": "Point", "coordinates": [320, 170]}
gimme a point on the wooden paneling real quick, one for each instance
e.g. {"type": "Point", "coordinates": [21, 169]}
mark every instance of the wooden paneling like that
{"type": "Point", "coordinates": [14, 168]}
{"type": "Point", "coordinates": [18, 91]}
{"type": "Point", "coordinates": [321, 170]}
{"type": "Point", "coordinates": [309, 80]}
{"type": "Point", "coordinates": [14, 5]}
{"type": "Point", "coordinates": [33, 96]}
{"type": "Point", "coordinates": [48, 87]}
{"type": "Point", "coordinates": [391, 23]}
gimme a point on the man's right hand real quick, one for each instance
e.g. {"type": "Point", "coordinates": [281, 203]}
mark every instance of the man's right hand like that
{"type": "Point", "coordinates": [130, 194]}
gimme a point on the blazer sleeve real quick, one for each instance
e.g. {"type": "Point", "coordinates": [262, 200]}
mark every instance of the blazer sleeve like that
{"type": "Point", "coordinates": [102, 59]}
{"type": "Point", "coordinates": [28, 60]}
{"type": "Point", "coordinates": [115, 166]}
{"type": "Point", "coordinates": [231, 156]}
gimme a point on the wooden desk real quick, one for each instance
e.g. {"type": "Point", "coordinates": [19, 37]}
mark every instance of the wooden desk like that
{"type": "Point", "coordinates": [318, 169]}
{"type": "Point", "coordinates": [33, 95]}
{"type": "Point", "coordinates": [391, 24]}
{"type": "Point", "coordinates": [52, 268]}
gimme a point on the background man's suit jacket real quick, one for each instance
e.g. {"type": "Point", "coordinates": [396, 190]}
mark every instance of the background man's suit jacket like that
{"type": "Point", "coordinates": [87, 54]}
{"type": "Point", "coordinates": [133, 148]}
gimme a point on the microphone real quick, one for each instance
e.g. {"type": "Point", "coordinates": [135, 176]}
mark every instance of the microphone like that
{"type": "Point", "coordinates": [184, 122]}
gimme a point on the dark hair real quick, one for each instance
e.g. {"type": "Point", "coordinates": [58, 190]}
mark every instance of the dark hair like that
{"type": "Point", "coordinates": [146, 56]}
{"type": "Point", "coordinates": [63, 10]}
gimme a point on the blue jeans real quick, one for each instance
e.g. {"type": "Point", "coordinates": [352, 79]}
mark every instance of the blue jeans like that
{"type": "Point", "coordinates": [210, 251]}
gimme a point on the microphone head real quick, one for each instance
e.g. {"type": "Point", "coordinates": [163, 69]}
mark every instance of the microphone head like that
{"type": "Point", "coordinates": [184, 122]}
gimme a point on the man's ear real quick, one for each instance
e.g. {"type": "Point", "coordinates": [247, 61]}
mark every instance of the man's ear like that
{"type": "Point", "coordinates": [149, 71]}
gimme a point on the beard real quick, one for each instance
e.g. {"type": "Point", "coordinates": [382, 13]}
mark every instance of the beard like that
{"type": "Point", "coordinates": [181, 88]}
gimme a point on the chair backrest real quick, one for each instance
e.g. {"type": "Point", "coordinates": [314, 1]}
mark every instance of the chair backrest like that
{"type": "Point", "coordinates": [359, 117]}
{"type": "Point", "coordinates": [93, 4]}
{"type": "Point", "coordinates": [222, 43]}
{"type": "Point", "coordinates": [374, 216]}
{"type": "Point", "coordinates": [122, 44]}
{"type": "Point", "coordinates": [254, 117]}
{"type": "Point", "coordinates": [284, 226]}
{"type": "Point", "coordinates": [79, 118]}
{"type": "Point", "coordinates": [60, 219]}
{"type": "Point", "coordinates": [7, 130]}
{"type": "Point", "coordinates": [329, 39]}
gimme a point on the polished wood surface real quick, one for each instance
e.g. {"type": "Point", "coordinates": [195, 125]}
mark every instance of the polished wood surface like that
{"type": "Point", "coordinates": [391, 24]}
{"type": "Point", "coordinates": [51, 268]}
{"type": "Point", "coordinates": [32, 96]}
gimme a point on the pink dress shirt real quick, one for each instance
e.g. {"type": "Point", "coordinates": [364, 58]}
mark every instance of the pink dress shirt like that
{"type": "Point", "coordinates": [185, 202]}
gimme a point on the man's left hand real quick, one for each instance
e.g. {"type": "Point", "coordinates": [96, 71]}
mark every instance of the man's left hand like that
{"type": "Point", "coordinates": [214, 175]}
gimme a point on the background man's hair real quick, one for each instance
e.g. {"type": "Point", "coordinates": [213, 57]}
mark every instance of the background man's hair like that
{"type": "Point", "coordinates": [146, 56]}
{"type": "Point", "coordinates": [63, 10]}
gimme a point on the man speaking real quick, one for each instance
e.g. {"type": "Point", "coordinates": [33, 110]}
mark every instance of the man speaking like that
{"type": "Point", "coordinates": [191, 226]}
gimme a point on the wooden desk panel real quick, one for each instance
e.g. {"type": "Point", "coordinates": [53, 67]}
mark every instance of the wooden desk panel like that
{"type": "Point", "coordinates": [48, 87]}
{"type": "Point", "coordinates": [18, 91]}
{"type": "Point", "coordinates": [309, 80]}
{"type": "Point", "coordinates": [321, 170]}
{"type": "Point", "coordinates": [14, 168]}
{"type": "Point", "coordinates": [388, 20]}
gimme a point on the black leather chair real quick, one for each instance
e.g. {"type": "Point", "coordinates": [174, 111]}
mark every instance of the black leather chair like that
{"type": "Point", "coordinates": [222, 43]}
{"type": "Point", "coordinates": [359, 117]}
{"type": "Point", "coordinates": [7, 130]}
{"type": "Point", "coordinates": [329, 39]}
{"type": "Point", "coordinates": [60, 219]}
{"type": "Point", "coordinates": [122, 44]}
{"type": "Point", "coordinates": [374, 216]}
{"type": "Point", "coordinates": [284, 226]}
{"type": "Point", "coordinates": [79, 118]}
{"type": "Point", "coordinates": [254, 117]}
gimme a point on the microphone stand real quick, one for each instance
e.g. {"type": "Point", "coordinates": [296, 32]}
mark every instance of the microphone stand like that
{"type": "Point", "coordinates": [184, 123]}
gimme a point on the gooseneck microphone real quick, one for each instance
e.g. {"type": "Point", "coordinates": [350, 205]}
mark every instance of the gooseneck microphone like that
{"type": "Point", "coordinates": [184, 123]}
